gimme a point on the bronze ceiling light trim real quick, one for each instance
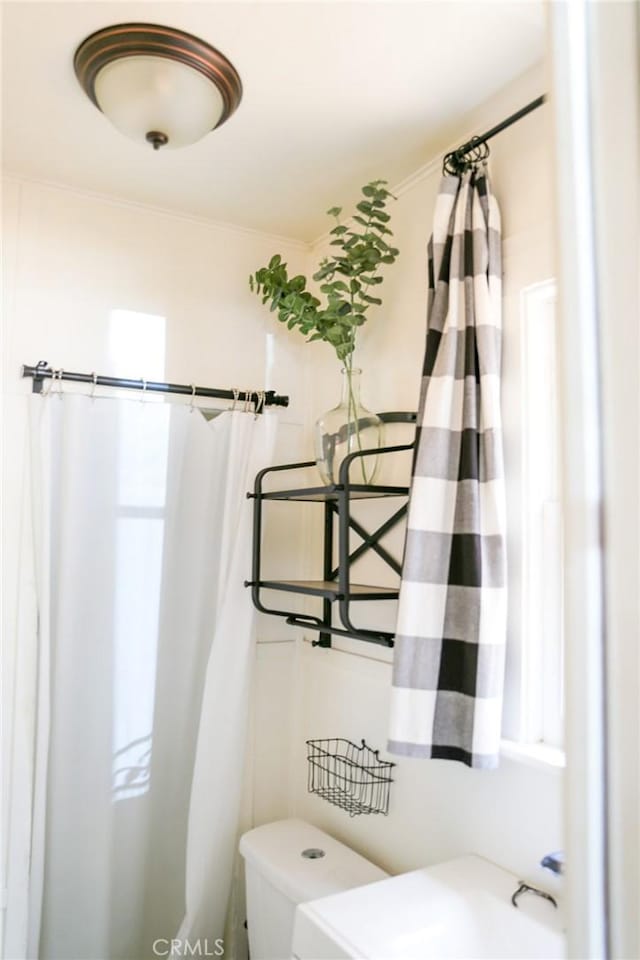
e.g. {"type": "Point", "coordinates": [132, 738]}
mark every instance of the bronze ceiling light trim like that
{"type": "Point", "coordinates": [123, 41]}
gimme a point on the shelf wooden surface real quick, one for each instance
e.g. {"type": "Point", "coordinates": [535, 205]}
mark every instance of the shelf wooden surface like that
{"type": "Point", "coordinates": [330, 590]}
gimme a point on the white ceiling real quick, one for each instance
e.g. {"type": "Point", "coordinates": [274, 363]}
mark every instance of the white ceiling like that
{"type": "Point", "coordinates": [335, 93]}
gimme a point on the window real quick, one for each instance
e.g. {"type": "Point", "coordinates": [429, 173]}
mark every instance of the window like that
{"type": "Point", "coordinates": [542, 568]}
{"type": "Point", "coordinates": [137, 348]}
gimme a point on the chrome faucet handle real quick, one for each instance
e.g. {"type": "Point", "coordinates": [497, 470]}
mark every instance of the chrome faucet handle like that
{"type": "Point", "coordinates": [554, 862]}
{"type": "Point", "coordinates": [527, 888]}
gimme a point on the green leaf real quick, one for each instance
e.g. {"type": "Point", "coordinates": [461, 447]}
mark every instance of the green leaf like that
{"type": "Point", "coordinates": [334, 212]}
{"type": "Point", "coordinates": [343, 350]}
{"type": "Point", "coordinates": [326, 271]}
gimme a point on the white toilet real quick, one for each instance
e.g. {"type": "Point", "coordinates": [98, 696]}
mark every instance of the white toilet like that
{"type": "Point", "coordinates": [290, 862]}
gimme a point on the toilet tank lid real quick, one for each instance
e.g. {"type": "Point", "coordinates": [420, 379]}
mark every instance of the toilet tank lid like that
{"type": "Point", "coordinates": [275, 851]}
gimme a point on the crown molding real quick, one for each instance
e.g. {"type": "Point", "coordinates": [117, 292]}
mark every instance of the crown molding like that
{"type": "Point", "coordinates": [115, 201]}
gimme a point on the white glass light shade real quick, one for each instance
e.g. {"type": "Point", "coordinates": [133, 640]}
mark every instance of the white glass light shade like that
{"type": "Point", "coordinates": [144, 94]}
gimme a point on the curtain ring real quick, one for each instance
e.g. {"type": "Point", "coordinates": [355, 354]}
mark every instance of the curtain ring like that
{"type": "Point", "coordinates": [247, 400]}
{"type": "Point", "coordinates": [262, 396]}
{"type": "Point", "coordinates": [94, 377]}
{"type": "Point", "coordinates": [144, 388]}
{"type": "Point", "coordinates": [236, 394]}
{"type": "Point", "coordinates": [57, 377]}
{"type": "Point", "coordinates": [193, 397]}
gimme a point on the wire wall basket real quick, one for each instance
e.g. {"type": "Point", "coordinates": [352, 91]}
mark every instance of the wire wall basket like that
{"type": "Point", "coordinates": [348, 776]}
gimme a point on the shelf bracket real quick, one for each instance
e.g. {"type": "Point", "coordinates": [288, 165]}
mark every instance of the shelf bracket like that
{"type": "Point", "coordinates": [371, 541]}
{"type": "Point", "coordinates": [301, 620]}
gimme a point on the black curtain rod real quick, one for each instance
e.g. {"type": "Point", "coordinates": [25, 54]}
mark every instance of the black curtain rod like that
{"type": "Point", "coordinates": [42, 371]}
{"type": "Point", "coordinates": [457, 156]}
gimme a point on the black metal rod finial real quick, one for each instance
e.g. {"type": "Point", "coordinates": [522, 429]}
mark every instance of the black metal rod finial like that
{"type": "Point", "coordinates": [273, 399]}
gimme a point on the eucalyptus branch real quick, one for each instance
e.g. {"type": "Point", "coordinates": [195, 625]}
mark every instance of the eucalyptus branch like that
{"type": "Point", "coordinates": [345, 278]}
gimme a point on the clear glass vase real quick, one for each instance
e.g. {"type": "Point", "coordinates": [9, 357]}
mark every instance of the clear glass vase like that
{"type": "Point", "coordinates": [345, 429]}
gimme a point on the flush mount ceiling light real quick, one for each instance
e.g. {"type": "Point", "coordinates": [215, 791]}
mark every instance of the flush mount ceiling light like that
{"type": "Point", "coordinates": [156, 84]}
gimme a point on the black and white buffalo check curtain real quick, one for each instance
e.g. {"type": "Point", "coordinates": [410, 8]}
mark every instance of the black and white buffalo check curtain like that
{"type": "Point", "coordinates": [450, 638]}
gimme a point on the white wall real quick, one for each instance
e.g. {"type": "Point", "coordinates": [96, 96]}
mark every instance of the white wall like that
{"type": "Point", "coordinates": [596, 66]}
{"type": "Point", "coordinates": [439, 809]}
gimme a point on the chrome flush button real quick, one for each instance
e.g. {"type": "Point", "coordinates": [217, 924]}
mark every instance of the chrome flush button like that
{"type": "Point", "coordinates": [312, 853]}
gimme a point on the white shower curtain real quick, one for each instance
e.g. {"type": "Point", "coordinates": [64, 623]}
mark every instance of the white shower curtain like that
{"type": "Point", "coordinates": [143, 534]}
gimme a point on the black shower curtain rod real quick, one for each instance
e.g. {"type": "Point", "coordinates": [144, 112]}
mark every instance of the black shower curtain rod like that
{"type": "Point", "coordinates": [261, 398]}
{"type": "Point", "coordinates": [474, 142]}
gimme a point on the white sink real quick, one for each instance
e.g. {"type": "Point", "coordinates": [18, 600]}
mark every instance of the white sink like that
{"type": "Point", "coordinates": [458, 909]}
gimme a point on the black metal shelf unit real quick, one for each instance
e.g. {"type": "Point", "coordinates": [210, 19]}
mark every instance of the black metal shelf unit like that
{"type": "Point", "coordinates": [336, 586]}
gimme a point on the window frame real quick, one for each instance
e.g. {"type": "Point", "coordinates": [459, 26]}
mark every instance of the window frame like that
{"type": "Point", "coordinates": [541, 641]}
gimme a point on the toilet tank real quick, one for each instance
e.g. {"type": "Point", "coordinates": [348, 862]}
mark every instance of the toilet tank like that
{"type": "Point", "coordinates": [290, 862]}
